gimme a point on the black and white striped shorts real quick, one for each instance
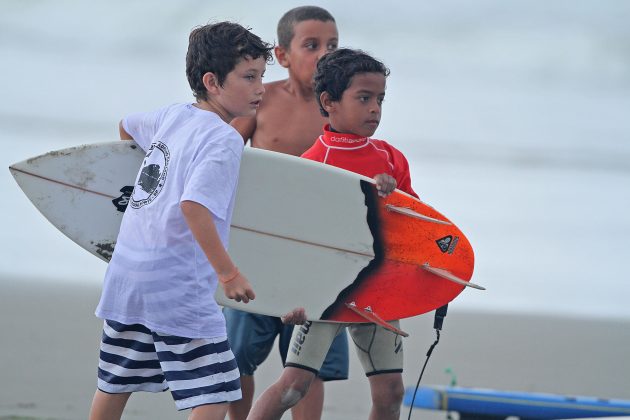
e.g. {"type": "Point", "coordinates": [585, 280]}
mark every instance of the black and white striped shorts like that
{"type": "Point", "coordinates": [197, 371]}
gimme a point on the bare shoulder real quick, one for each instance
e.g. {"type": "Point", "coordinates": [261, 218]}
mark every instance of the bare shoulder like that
{"type": "Point", "coordinates": [248, 126]}
{"type": "Point", "coordinates": [275, 85]}
{"type": "Point", "coordinates": [276, 91]}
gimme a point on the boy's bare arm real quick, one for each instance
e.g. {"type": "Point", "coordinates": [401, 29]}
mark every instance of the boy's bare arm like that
{"type": "Point", "coordinates": [245, 126]}
{"type": "Point", "coordinates": [199, 219]}
{"type": "Point", "coordinates": [123, 134]}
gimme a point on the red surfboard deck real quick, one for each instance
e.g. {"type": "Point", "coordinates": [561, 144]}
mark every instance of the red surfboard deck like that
{"type": "Point", "coordinates": [395, 284]}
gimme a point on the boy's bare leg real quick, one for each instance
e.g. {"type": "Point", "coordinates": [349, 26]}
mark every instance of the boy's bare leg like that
{"type": "Point", "coordinates": [312, 405]}
{"type": "Point", "coordinates": [239, 410]}
{"type": "Point", "coordinates": [287, 391]}
{"type": "Point", "coordinates": [309, 408]}
{"type": "Point", "coordinates": [387, 394]}
{"type": "Point", "coordinates": [209, 412]}
{"type": "Point", "coordinates": [108, 406]}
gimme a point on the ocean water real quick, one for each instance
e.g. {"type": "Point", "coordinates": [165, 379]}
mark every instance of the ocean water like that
{"type": "Point", "coordinates": [513, 115]}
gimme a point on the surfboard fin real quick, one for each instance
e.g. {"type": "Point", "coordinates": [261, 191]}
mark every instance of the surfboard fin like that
{"type": "Point", "coordinates": [445, 274]}
{"type": "Point", "coordinates": [371, 316]}
{"type": "Point", "coordinates": [409, 212]}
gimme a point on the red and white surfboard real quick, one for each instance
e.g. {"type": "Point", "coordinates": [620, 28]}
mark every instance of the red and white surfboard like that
{"type": "Point", "coordinates": [304, 233]}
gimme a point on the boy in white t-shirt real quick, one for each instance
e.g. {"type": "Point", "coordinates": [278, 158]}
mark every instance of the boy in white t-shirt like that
{"type": "Point", "coordinates": [163, 329]}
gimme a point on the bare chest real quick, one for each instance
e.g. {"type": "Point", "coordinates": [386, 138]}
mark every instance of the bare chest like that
{"type": "Point", "coordinates": [288, 128]}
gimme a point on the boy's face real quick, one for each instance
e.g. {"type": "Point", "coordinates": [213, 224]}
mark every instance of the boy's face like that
{"type": "Point", "coordinates": [311, 40]}
{"type": "Point", "coordinates": [359, 109]}
{"type": "Point", "coordinates": [242, 88]}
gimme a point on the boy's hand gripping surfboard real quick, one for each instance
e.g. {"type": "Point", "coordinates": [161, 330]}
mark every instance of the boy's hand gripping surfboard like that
{"type": "Point", "coordinates": [305, 234]}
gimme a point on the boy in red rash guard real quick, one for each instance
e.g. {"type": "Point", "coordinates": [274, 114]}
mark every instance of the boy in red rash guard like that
{"type": "Point", "coordinates": [350, 88]}
{"type": "Point", "coordinates": [363, 155]}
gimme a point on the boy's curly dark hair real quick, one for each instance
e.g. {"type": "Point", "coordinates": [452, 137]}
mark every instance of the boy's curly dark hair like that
{"type": "Point", "coordinates": [217, 48]}
{"type": "Point", "coordinates": [336, 69]}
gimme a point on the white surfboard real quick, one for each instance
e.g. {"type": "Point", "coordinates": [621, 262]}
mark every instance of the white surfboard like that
{"type": "Point", "coordinates": [300, 230]}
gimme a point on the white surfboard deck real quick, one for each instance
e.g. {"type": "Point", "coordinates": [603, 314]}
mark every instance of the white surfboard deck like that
{"type": "Point", "coordinates": [299, 230]}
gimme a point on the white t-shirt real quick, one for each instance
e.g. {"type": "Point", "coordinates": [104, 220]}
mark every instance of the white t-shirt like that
{"type": "Point", "coordinates": [159, 276]}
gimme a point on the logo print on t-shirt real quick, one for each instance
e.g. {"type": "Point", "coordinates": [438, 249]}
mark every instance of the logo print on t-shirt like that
{"type": "Point", "coordinates": [152, 175]}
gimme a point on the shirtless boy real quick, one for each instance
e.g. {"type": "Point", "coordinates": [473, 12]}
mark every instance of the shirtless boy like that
{"type": "Point", "coordinates": [288, 120]}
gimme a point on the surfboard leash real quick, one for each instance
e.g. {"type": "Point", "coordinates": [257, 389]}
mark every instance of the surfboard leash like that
{"type": "Point", "coordinates": [440, 314]}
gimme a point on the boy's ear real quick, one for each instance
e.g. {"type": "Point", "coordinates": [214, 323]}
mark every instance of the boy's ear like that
{"type": "Point", "coordinates": [281, 55]}
{"type": "Point", "coordinates": [211, 83]}
{"type": "Point", "coordinates": [327, 103]}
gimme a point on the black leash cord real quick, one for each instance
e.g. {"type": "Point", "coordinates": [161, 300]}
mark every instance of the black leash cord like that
{"type": "Point", "coordinates": [437, 340]}
{"type": "Point", "coordinates": [440, 314]}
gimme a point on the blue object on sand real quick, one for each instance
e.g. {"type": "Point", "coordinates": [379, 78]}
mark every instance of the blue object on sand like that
{"type": "Point", "coordinates": [490, 404]}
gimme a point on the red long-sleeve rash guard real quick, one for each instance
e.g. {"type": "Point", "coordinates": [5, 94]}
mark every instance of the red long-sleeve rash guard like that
{"type": "Point", "coordinates": [362, 155]}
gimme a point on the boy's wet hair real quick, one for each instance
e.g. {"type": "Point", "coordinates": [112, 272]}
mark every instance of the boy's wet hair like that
{"type": "Point", "coordinates": [336, 69]}
{"type": "Point", "coordinates": [218, 48]}
{"type": "Point", "coordinates": [287, 22]}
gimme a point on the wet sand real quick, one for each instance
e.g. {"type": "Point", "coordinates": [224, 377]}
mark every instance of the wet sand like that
{"type": "Point", "coordinates": [50, 342]}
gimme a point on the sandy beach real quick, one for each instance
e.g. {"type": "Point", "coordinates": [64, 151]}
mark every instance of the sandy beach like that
{"type": "Point", "coordinates": [50, 341]}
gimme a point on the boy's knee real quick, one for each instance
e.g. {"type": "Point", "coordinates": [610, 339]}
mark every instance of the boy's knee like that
{"type": "Point", "coordinates": [291, 396]}
{"type": "Point", "coordinates": [390, 395]}
{"type": "Point", "coordinates": [294, 388]}
{"type": "Point", "coordinates": [397, 393]}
